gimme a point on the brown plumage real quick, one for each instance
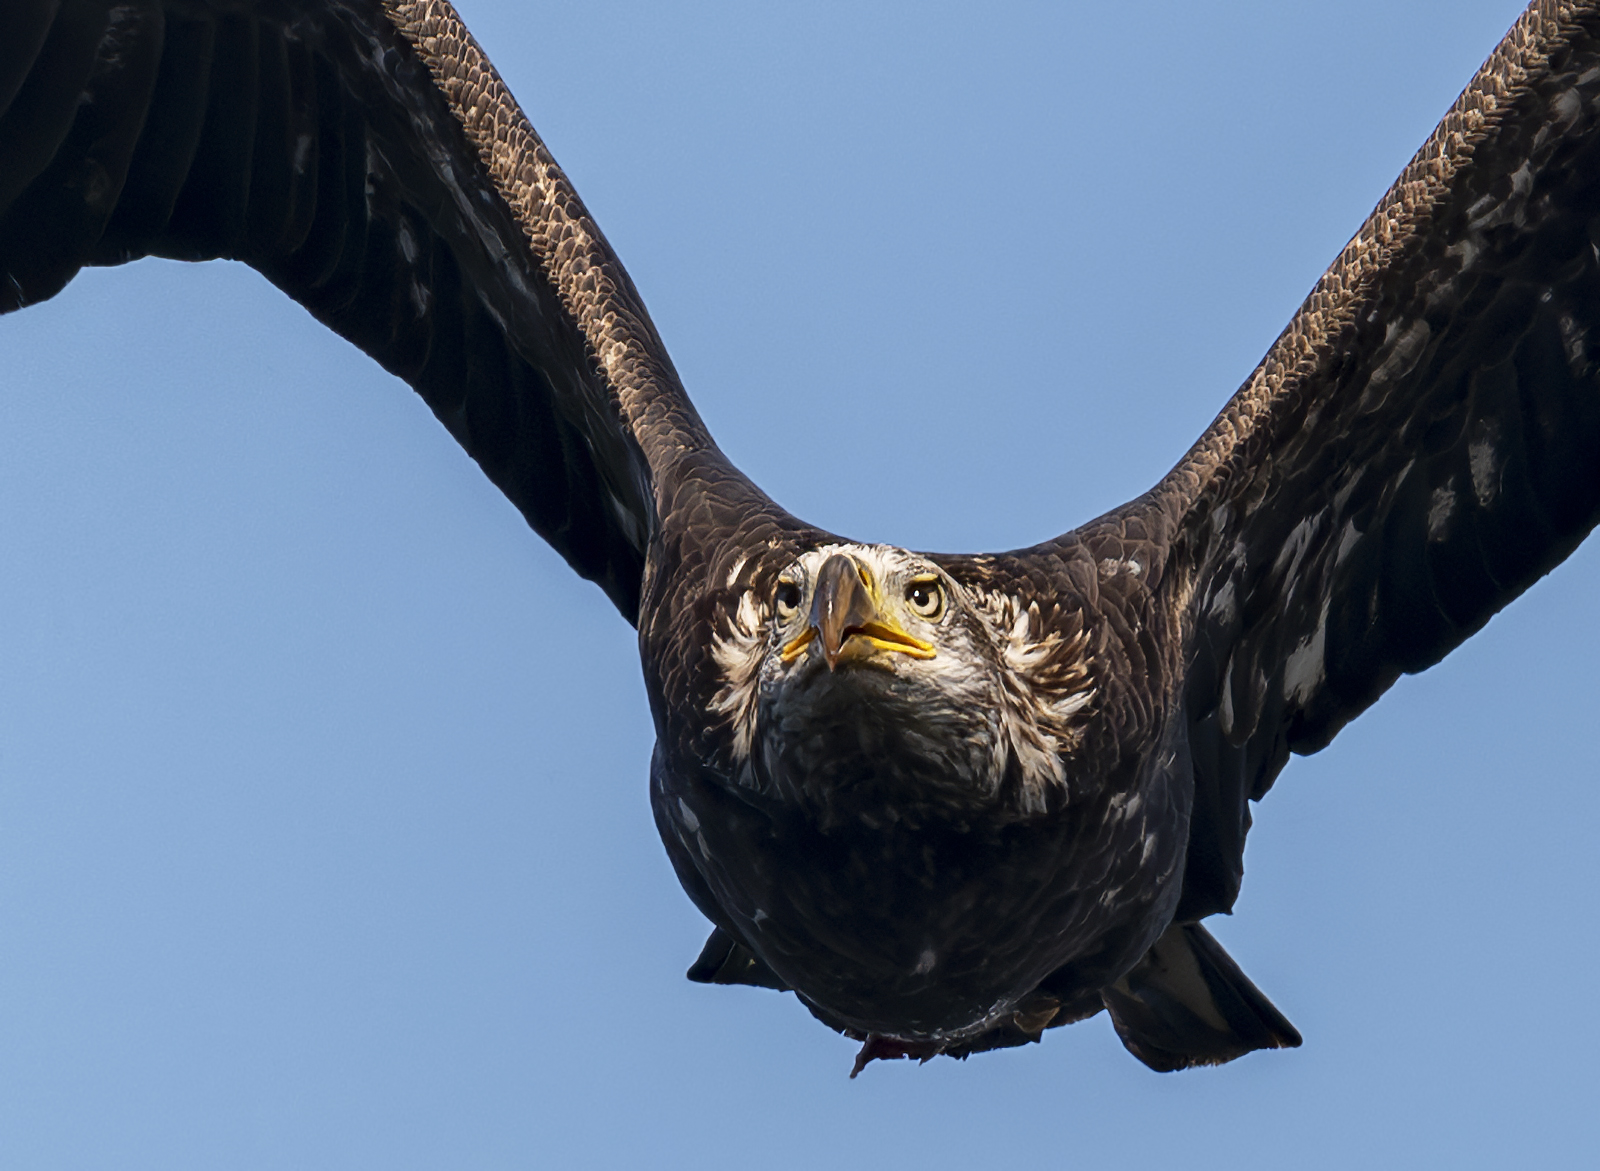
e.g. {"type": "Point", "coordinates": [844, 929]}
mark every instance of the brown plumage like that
{"type": "Point", "coordinates": [946, 827]}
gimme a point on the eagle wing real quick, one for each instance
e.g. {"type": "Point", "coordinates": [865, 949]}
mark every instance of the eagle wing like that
{"type": "Point", "coordinates": [1420, 444]}
{"type": "Point", "coordinates": [368, 160]}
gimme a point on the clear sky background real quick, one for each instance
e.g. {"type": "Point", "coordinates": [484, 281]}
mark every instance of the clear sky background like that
{"type": "Point", "coordinates": [324, 834]}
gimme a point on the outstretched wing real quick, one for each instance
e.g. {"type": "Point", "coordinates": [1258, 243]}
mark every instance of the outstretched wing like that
{"type": "Point", "coordinates": [1418, 447]}
{"type": "Point", "coordinates": [369, 161]}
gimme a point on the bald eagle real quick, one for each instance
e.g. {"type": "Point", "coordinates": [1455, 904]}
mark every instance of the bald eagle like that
{"type": "Point", "coordinates": [949, 801]}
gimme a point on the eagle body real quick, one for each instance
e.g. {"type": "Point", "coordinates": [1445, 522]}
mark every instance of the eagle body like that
{"type": "Point", "coordinates": [892, 859]}
{"type": "Point", "coordinates": [950, 801]}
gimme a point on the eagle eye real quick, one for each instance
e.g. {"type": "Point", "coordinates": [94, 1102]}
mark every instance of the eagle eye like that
{"type": "Point", "coordinates": [787, 599]}
{"type": "Point", "coordinates": [925, 596]}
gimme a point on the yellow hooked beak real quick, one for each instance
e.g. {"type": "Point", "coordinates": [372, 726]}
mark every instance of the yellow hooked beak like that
{"type": "Point", "coordinates": [845, 614]}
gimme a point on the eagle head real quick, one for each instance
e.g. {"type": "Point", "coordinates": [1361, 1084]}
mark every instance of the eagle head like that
{"type": "Point", "coordinates": [869, 683]}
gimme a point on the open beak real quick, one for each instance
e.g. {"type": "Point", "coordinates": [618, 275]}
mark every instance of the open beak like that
{"type": "Point", "coordinates": [844, 615]}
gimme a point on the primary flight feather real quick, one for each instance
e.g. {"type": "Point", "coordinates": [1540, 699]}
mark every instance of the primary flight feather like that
{"type": "Point", "coordinates": [950, 801]}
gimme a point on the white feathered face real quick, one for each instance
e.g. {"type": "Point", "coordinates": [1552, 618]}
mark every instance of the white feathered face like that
{"type": "Point", "coordinates": [877, 681]}
{"type": "Point", "coordinates": [881, 608]}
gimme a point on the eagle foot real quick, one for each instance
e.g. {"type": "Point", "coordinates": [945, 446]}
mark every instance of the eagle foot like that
{"type": "Point", "coordinates": [1024, 1026]}
{"type": "Point", "coordinates": [880, 1048]}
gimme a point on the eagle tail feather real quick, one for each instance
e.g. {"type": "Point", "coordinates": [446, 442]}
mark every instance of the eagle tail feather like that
{"type": "Point", "coordinates": [724, 960]}
{"type": "Point", "coordinates": [1186, 1003]}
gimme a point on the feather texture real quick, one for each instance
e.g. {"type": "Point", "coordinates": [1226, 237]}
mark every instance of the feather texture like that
{"type": "Point", "coordinates": [950, 850]}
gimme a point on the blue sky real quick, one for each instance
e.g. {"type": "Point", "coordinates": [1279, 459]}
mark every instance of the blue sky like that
{"type": "Point", "coordinates": [324, 836]}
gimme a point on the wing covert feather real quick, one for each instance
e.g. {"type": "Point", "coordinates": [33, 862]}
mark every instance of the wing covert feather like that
{"type": "Point", "coordinates": [367, 159]}
{"type": "Point", "coordinates": [1419, 446]}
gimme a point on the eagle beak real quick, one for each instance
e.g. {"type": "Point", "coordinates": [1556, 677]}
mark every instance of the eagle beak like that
{"type": "Point", "coordinates": [842, 608]}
